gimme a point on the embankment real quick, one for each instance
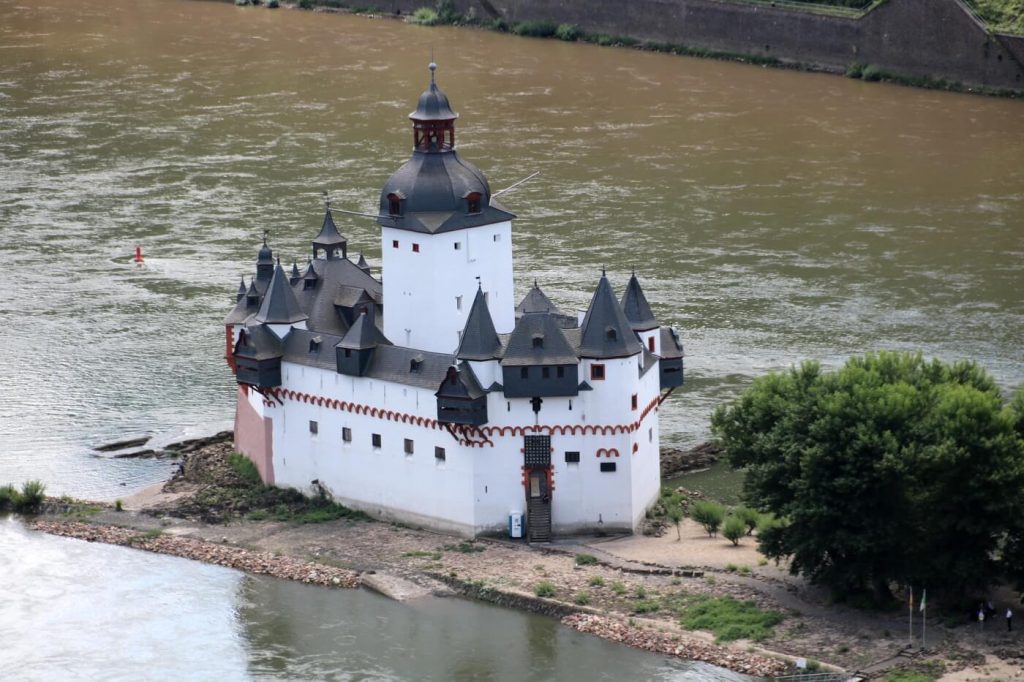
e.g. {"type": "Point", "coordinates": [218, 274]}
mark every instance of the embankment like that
{"type": "Point", "coordinates": [929, 42]}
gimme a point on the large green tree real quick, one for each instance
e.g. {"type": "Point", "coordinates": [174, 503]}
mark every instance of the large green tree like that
{"type": "Point", "coordinates": [893, 469]}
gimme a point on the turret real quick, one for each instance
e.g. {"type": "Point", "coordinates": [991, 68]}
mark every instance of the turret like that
{"type": "Point", "coordinates": [264, 263]}
{"type": "Point", "coordinates": [329, 244]}
{"type": "Point", "coordinates": [641, 318]}
{"type": "Point", "coordinates": [280, 310]}
{"type": "Point", "coordinates": [356, 349]}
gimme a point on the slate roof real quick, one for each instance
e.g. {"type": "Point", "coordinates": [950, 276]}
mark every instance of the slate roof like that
{"type": "Point", "coordinates": [329, 234]}
{"type": "Point", "coordinates": [262, 344]}
{"type": "Point", "coordinates": [479, 339]}
{"type": "Point", "coordinates": [635, 305]}
{"type": "Point", "coordinates": [265, 255]}
{"type": "Point", "coordinates": [647, 360]}
{"type": "Point", "coordinates": [363, 334]}
{"type": "Point", "coordinates": [671, 344]}
{"type": "Point", "coordinates": [362, 264]}
{"type": "Point", "coordinates": [279, 304]}
{"type": "Point", "coordinates": [242, 311]}
{"type": "Point", "coordinates": [433, 103]}
{"type": "Point", "coordinates": [554, 349]}
{"type": "Point", "coordinates": [606, 331]}
{"type": "Point", "coordinates": [467, 386]}
{"type": "Point", "coordinates": [242, 289]}
{"type": "Point", "coordinates": [536, 301]}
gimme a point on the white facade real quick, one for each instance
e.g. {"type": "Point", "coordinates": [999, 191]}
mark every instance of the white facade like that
{"type": "Point", "coordinates": [432, 278]}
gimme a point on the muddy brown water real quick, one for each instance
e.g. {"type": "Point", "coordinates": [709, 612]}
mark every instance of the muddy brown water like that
{"type": "Point", "coordinates": [772, 216]}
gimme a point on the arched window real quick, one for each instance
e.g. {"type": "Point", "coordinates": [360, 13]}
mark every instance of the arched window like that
{"type": "Point", "coordinates": [612, 334]}
{"type": "Point", "coordinates": [538, 341]}
{"type": "Point", "coordinates": [394, 204]}
{"type": "Point", "coordinates": [473, 202]}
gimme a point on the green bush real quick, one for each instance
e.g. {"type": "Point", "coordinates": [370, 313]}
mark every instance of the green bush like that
{"type": "Point", "coordinates": [305, 4]}
{"type": "Point", "coordinates": [447, 14]}
{"type": "Point", "coordinates": [118, 505]}
{"type": "Point", "coordinates": [871, 73]}
{"type": "Point", "coordinates": [31, 496]}
{"type": "Point", "coordinates": [535, 29]}
{"type": "Point", "coordinates": [646, 606]}
{"type": "Point", "coordinates": [500, 25]}
{"type": "Point", "coordinates": [273, 4]}
{"type": "Point", "coordinates": [596, 581]}
{"type": "Point", "coordinates": [728, 618]}
{"type": "Point", "coordinates": [585, 559]}
{"type": "Point", "coordinates": [619, 587]}
{"type": "Point", "coordinates": [544, 589]}
{"type": "Point", "coordinates": [582, 598]}
{"type": "Point", "coordinates": [424, 16]}
{"type": "Point", "coordinates": [749, 517]}
{"type": "Point", "coordinates": [245, 469]}
{"type": "Point", "coordinates": [8, 496]}
{"type": "Point", "coordinates": [734, 529]}
{"type": "Point", "coordinates": [708, 514]}
{"type": "Point", "coordinates": [568, 32]}
{"type": "Point", "coordinates": [855, 70]}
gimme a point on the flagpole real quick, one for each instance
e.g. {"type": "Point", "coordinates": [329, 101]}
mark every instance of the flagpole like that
{"type": "Point", "coordinates": [910, 610]}
{"type": "Point", "coordinates": [924, 618]}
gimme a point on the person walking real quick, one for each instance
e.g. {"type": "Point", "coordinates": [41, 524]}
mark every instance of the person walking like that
{"type": "Point", "coordinates": [1009, 619]}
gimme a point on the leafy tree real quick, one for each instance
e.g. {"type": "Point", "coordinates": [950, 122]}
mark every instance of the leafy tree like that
{"type": "Point", "coordinates": [749, 517]}
{"type": "Point", "coordinates": [675, 513]}
{"type": "Point", "coordinates": [734, 529]}
{"type": "Point", "coordinates": [892, 469]}
{"type": "Point", "coordinates": [709, 515]}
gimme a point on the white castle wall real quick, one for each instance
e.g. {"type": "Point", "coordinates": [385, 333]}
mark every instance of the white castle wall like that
{"type": "Point", "coordinates": [423, 288]}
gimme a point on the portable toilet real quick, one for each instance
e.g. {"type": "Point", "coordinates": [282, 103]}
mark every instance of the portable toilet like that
{"type": "Point", "coordinates": [515, 524]}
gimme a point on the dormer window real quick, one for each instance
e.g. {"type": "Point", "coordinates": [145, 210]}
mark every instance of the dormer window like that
{"type": "Point", "coordinates": [538, 341]}
{"type": "Point", "coordinates": [394, 204]}
{"type": "Point", "coordinates": [612, 334]}
{"type": "Point", "coordinates": [415, 364]}
{"type": "Point", "coordinates": [473, 202]}
{"type": "Point", "coordinates": [314, 344]}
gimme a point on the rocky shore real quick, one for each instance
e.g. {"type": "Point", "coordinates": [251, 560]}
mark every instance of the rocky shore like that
{"type": "Point", "coordinates": [261, 563]}
{"type": "Point", "coordinates": [676, 461]}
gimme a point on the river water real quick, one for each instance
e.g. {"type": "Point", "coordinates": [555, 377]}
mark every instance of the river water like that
{"type": "Point", "coordinates": [772, 216]}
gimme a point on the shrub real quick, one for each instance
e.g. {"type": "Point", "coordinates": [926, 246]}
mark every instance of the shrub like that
{"type": "Point", "coordinates": [646, 606]}
{"type": "Point", "coordinates": [596, 581]}
{"type": "Point", "coordinates": [641, 592]}
{"type": "Point", "coordinates": [619, 587]}
{"type": "Point", "coordinates": [424, 16]}
{"type": "Point", "coordinates": [31, 496]}
{"type": "Point", "coordinates": [8, 496]}
{"type": "Point", "coordinates": [544, 589]}
{"type": "Point", "coordinates": [447, 14]}
{"type": "Point", "coordinates": [582, 598]}
{"type": "Point", "coordinates": [749, 517]}
{"type": "Point", "coordinates": [118, 505]}
{"type": "Point", "coordinates": [500, 25]}
{"type": "Point", "coordinates": [568, 32]}
{"type": "Point", "coordinates": [855, 70]}
{"type": "Point", "coordinates": [871, 73]}
{"type": "Point", "coordinates": [245, 469]}
{"type": "Point", "coordinates": [729, 619]}
{"type": "Point", "coordinates": [709, 515]}
{"type": "Point", "coordinates": [585, 559]}
{"type": "Point", "coordinates": [734, 529]}
{"type": "Point", "coordinates": [535, 29]}
{"type": "Point", "coordinates": [305, 4]}
{"type": "Point", "coordinates": [272, 4]}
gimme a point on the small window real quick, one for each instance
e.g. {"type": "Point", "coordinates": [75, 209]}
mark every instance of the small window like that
{"type": "Point", "coordinates": [314, 346]}
{"type": "Point", "coordinates": [394, 205]}
{"type": "Point", "coordinates": [607, 467]}
{"type": "Point", "coordinates": [346, 434]}
{"type": "Point", "coordinates": [348, 352]}
{"type": "Point", "coordinates": [497, 237]}
{"type": "Point", "coordinates": [473, 202]}
{"type": "Point", "coordinates": [314, 428]}
{"type": "Point", "coordinates": [612, 334]}
{"type": "Point", "coordinates": [650, 435]}
{"type": "Point", "coordinates": [524, 372]}
{"type": "Point", "coordinates": [394, 243]}
{"type": "Point", "coordinates": [560, 373]}
{"type": "Point", "coordinates": [415, 248]}
{"type": "Point", "coordinates": [439, 453]}
{"type": "Point", "coordinates": [538, 341]}
{"type": "Point", "coordinates": [597, 372]}
{"type": "Point", "coordinates": [415, 364]}
{"type": "Point", "coordinates": [408, 446]}
{"type": "Point", "coordinates": [458, 303]}
{"type": "Point", "coordinates": [650, 344]}
{"type": "Point", "coordinates": [545, 372]}
{"type": "Point", "coordinates": [458, 246]}
{"type": "Point", "coordinates": [572, 457]}
{"type": "Point", "coordinates": [632, 402]}
{"type": "Point", "coordinates": [375, 440]}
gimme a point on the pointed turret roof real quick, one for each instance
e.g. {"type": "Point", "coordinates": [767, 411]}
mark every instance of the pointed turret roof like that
{"type": "Point", "coordinates": [279, 304]}
{"type": "Point", "coordinates": [479, 339]}
{"type": "Point", "coordinates": [252, 292]}
{"type": "Point", "coordinates": [536, 301]}
{"type": "Point", "coordinates": [295, 272]}
{"type": "Point", "coordinates": [241, 290]}
{"type": "Point", "coordinates": [605, 332]}
{"type": "Point", "coordinates": [329, 235]}
{"type": "Point", "coordinates": [363, 334]}
{"type": "Point", "coordinates": [362, 264]}
{"type": "Point", "coordinates": [265, 256]}
{"type": "Point", "coordinates": [635, 305]}
{"type": "Point", "coordinates": [538, 340]}
{"type": "Point", "coordinates": [310, 273]}
{"type": "Point", "coordinates": [433, 104]}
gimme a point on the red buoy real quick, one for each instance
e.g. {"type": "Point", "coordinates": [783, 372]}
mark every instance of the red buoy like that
{"type": "Point", "coordinates": [138, 253]}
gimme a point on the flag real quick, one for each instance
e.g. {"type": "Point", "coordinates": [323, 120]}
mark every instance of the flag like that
{"type": "Point", "coordinates": [924, 596]}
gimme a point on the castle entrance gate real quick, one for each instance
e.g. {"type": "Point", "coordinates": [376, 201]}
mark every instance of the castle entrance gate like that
{"type": "Point", "coordinates": [537, 465]}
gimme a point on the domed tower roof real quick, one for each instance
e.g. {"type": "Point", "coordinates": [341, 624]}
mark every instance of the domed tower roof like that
{"type": "Point", "coordinates": [436, 190]}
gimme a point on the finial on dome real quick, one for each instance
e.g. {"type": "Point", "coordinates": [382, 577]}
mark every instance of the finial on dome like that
{"type": "Point", "coordinates": [604, 272]}
{"type": "Point", "coordinates": [265, 233]}
{"type": "Point", "coordinates": [433, 68]}
{"type": "Point", "coordinates": [327, 200]}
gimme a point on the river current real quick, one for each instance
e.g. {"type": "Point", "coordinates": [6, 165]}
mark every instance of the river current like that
{"type": "Point", "coordinates": [772, 216]}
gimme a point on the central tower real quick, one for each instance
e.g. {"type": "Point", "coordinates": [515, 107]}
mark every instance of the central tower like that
{"type": "Point", "coordinates": [442, 238]}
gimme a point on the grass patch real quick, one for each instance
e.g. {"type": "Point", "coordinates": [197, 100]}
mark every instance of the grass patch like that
{"type": "Point", "coordinates": [596, 581]}
{"type": "Point", "coordinates": [585, 559]}
{"type": "Point", "coordinates": [619, 587]}
{"type": "Point", "coordinates": [465, 547]}
{"type": "Point", "coordinates": [245, 469]}
{"type": "Point", "coordinates": [544, 589]}
{"type": "Point", "coordinates": [27, 500]}
{"type": "Point", "coordinates": [643, 606]}
{"type": "Point", "coordinates": [581, 598]}
{"type": "Point", "coordinates": [424, 16]}
{"type": "Point", "coordinates": [728, 618]}
{"type": "Point", "coordinates": [535, 29]}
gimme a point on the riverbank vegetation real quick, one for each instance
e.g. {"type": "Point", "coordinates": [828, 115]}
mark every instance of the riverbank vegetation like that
{"type": "Point", "coordinates": [27, 500]}
{"type": "Point", "coordinates": [909, 470]}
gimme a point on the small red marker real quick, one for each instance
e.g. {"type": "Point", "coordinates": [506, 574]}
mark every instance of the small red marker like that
{"type": "Point", "coordinates": [138, 253]}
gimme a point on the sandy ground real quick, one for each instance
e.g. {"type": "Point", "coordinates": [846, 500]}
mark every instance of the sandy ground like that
{"type": "Point", "coordinates": [992, 669]}
{"type": "Point", "coordinates": [696, 548]}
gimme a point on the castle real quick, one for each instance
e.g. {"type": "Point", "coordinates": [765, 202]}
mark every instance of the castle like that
{"type": "Point", "coordinates": [453, 407]}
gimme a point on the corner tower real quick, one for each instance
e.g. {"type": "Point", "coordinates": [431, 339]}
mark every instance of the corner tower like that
{"type": "Point", "coordinates": [442, 238]}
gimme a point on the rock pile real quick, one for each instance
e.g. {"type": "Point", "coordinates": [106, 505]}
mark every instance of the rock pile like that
{"type": "Point", "coordinates": [675, 461]}
{"type": "Point", "coordinates": [261, 563]}
{"type": "Point", "coordinates": [663, 643]}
